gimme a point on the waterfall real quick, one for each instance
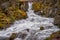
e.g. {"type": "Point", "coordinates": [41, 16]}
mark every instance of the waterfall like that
{"type": "Point", "coordinates": [33, 23]}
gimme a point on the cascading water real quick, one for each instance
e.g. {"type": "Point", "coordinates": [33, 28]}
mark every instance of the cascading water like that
{"type": "Point", "coordinates": [33, 23]}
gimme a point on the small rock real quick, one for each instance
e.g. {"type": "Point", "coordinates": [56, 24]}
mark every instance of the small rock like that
{"type": "Point", "coordinates": [22, 35]}
{"type": "Point", "coordinates": [13, 36]}
{"type": "Point", "coordinates": [41, 28]}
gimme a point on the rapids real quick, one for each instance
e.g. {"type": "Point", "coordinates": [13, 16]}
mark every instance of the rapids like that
{"type": "Point", "coordinates": [33, 23]}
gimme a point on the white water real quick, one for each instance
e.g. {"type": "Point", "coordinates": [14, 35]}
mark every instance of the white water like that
{"type": "Point", "coordinates": [33, 23]}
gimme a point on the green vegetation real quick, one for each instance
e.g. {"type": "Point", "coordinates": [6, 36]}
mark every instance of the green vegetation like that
{"type": "Point", "coordinates": [37, 6]}
{"type": "Point", "coordinates": [47, 8]}
{"type": "Point", "coordinates": [10, 12]}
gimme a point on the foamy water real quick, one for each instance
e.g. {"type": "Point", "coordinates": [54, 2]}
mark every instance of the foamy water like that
{"type": "Point", "coordinates": [33, 23]}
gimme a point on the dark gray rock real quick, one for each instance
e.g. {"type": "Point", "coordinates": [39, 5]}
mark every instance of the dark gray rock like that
{"type": "Point", "coordinates": [4, 38]}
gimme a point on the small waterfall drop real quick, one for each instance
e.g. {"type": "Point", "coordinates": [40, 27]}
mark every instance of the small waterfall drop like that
{"type": "Point", "coordinates": [33, 23]}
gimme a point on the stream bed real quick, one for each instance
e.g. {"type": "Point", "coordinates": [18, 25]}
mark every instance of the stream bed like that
{"type": "Point", "coordinates": [33, 24]}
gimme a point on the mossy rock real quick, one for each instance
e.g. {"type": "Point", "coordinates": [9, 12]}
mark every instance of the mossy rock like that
{"type": "Point", "coordinates": [4, 23]}
{"type": "Point", "coordinates": [2, 15]}
{"type": "Point", "coordinates": [10, 16]}
{"type": "Point", "coordinates": [20, 14]}
{"type": "Point", "coordinates": [37, 6]}
{"type": "Point", "coordinates": [17, 14]}
{"type": "Point", "coordinates": [13, 36]}
{"type": "Point", "coordinates": [54, 36]}
{"type": "Point", "coordinates": [41, 28]}
{"type": "Point", "coordinates": [42, 8]}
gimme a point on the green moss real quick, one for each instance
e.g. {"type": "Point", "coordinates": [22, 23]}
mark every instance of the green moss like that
{"type": "Point", "coordinates": [2, 25]}
{"type": "Point", "coordinates": [36, 6]}
{"type": "Point", "coordinates": [10, 16]}
{"type": "Point", "coordinates": [4, 20]}
{"type": "Point", "coordinates": [46, 7]}
{"type": "Point", "coordinates": [17, 14]}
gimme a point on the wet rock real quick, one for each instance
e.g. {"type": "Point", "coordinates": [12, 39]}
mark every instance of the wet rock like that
{"type": "Point", "coordinates": [48, 27]}
{"type": "Point", "coordinates": [54, 36]}
{"type": "Point", "coordinates": [31, 36]}
{"type": "Point", "coordinates": [27, 30]}
{"type": "Point", "coordinates": [39, 13]}
{"type": "Point", "coordinates": [4, 38]}
{"type": "Point", "coordinates": [13, 36]}
{"type": "Point", "coordinates": [22, 35]}
{"type": "Point", "coordinates": [57, 20]}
